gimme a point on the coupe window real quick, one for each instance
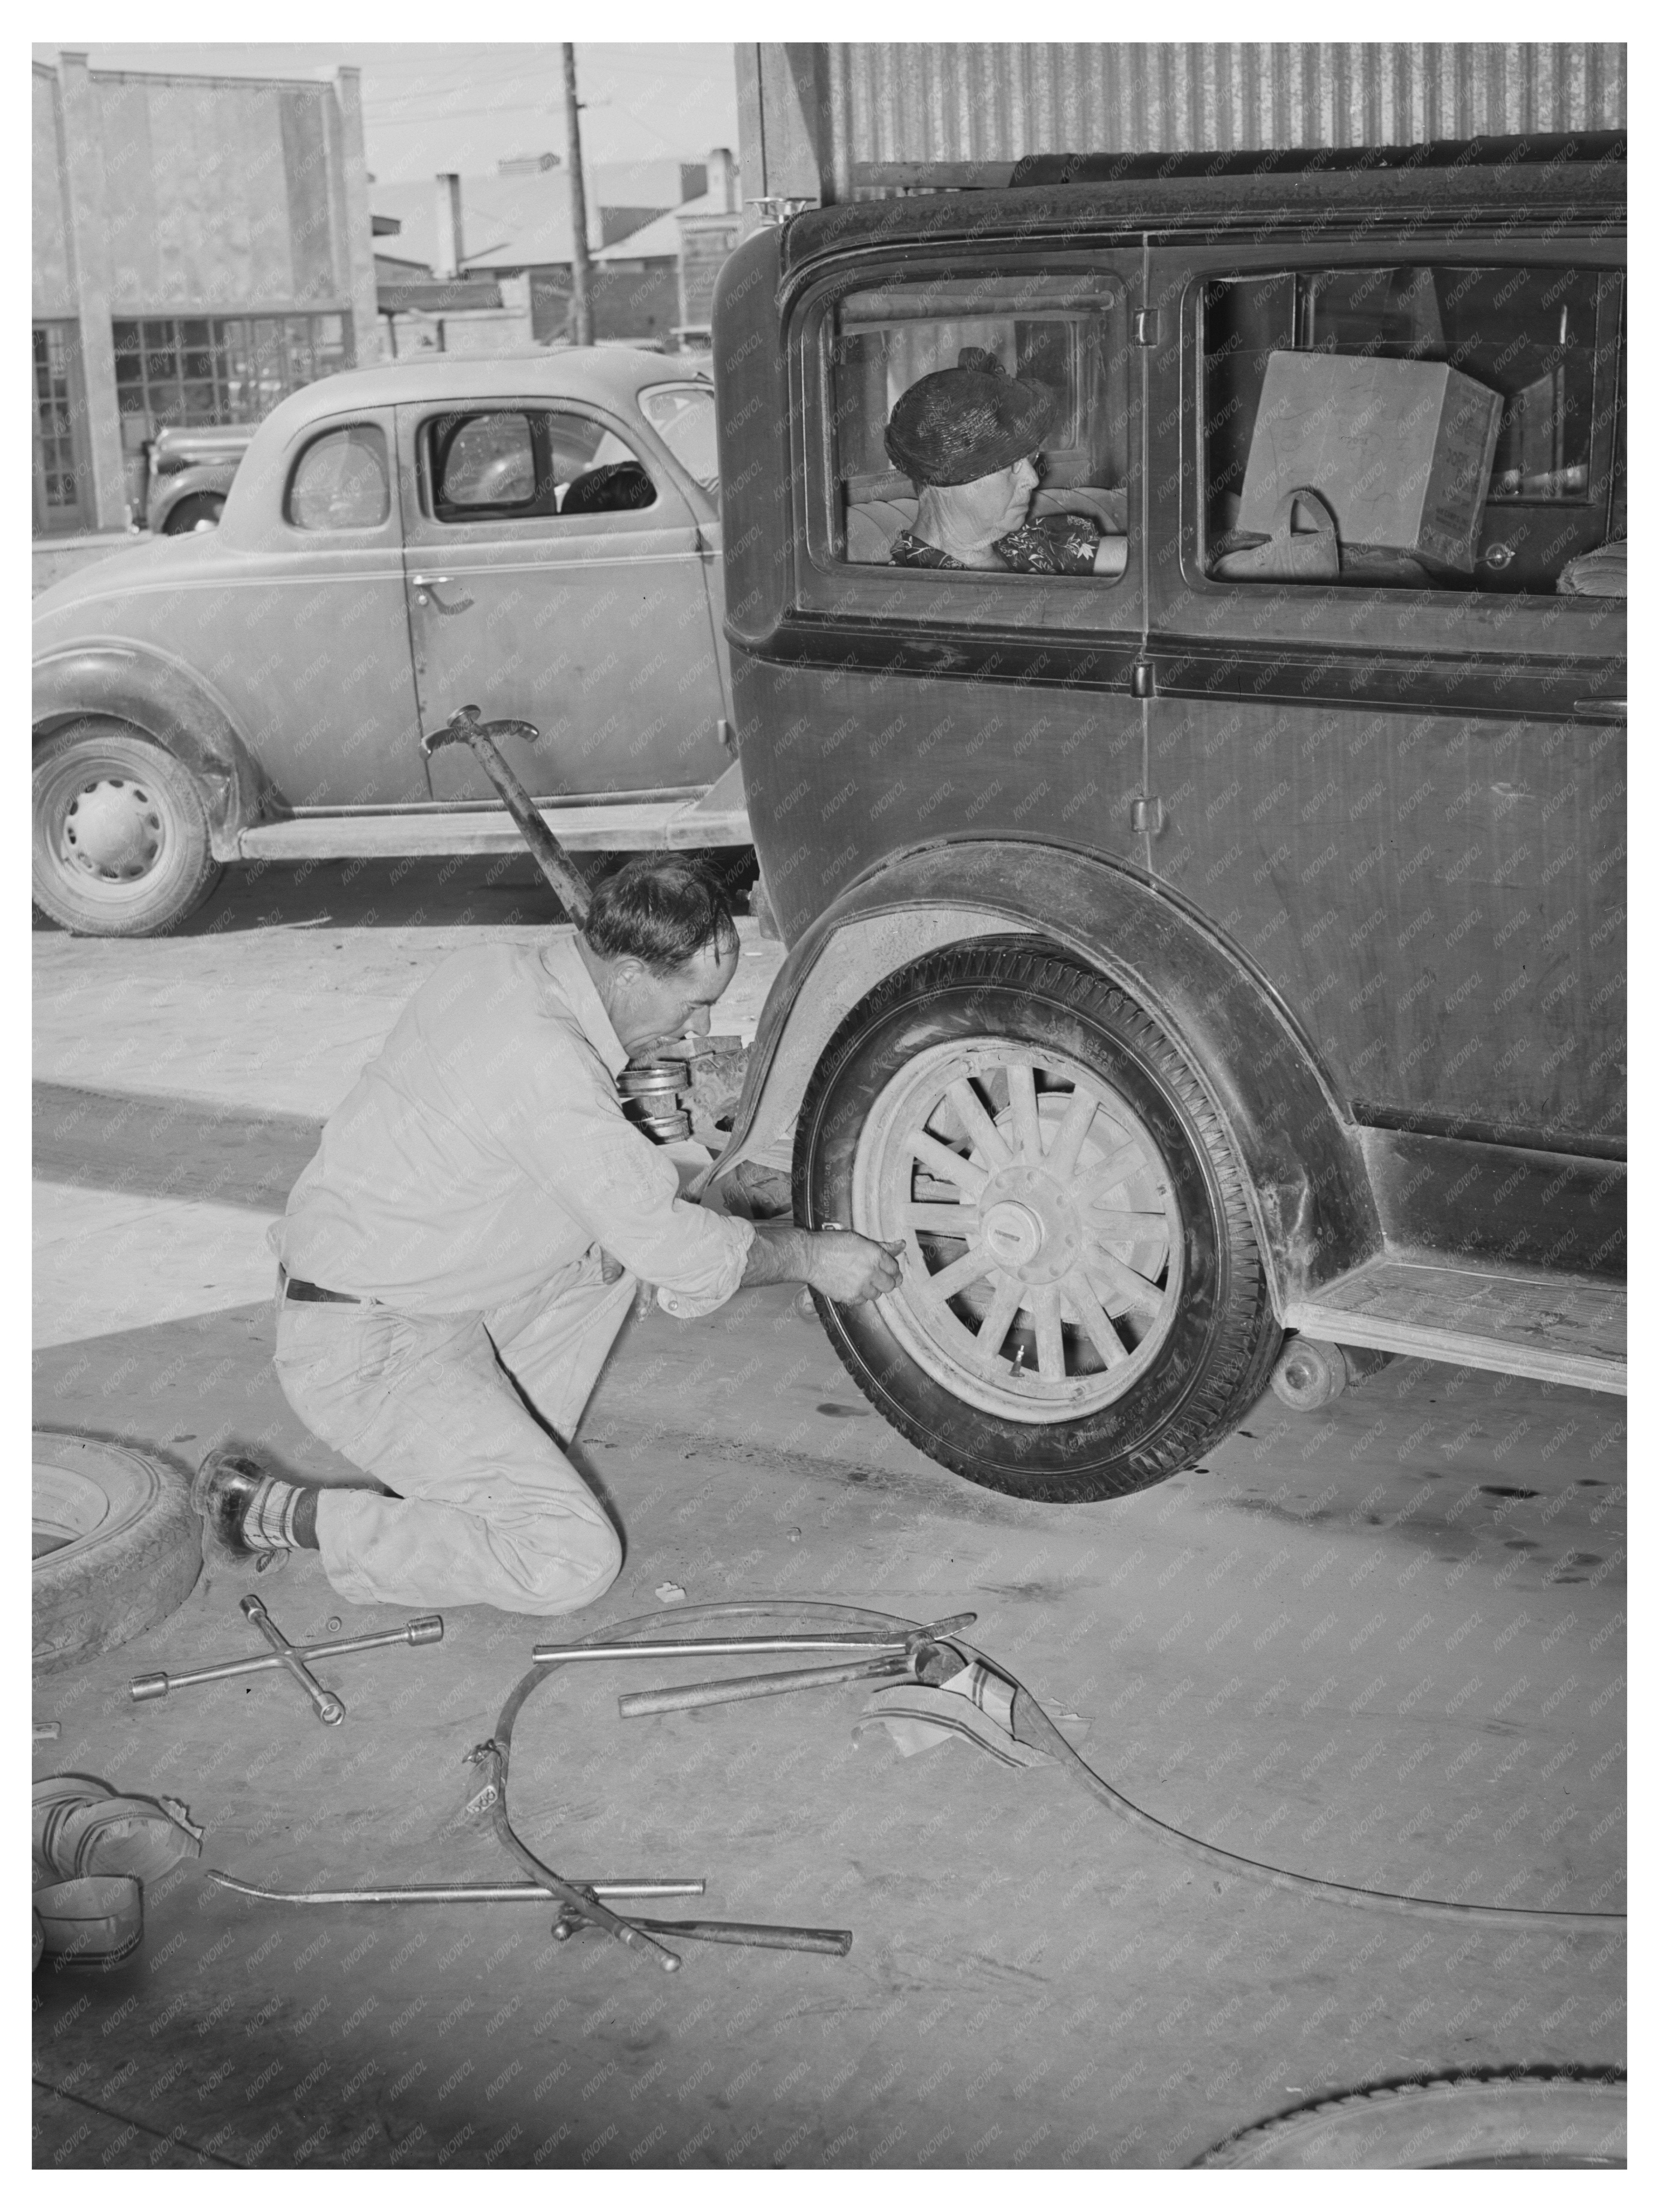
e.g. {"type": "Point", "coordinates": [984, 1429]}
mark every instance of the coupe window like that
{"type": "Point", "coordinates": [529, 463]}
{"type": "Point", "coordinates": [340, 482]}
{"type": "Point", "coordinates": [682, 416]}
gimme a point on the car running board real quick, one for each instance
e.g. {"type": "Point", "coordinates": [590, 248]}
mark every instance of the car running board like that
{"type": "Point", "coordinates": [621, 826]}
{"type": "Point", "coordinates": [1555, 1329]}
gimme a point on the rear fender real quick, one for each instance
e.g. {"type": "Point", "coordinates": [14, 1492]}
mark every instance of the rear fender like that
{"type": "Point", "coordinates": [1310, 1196]}
{"type": "Point", "coordinates": [164, 699]}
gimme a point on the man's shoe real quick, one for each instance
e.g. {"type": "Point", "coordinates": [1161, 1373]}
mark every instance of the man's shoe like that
{"type": "Point", "coordinates": [228, 1485]}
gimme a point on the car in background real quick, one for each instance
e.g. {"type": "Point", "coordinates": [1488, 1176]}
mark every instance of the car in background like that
{"type": "Point", "coordinates": [536, 537]}
{"type": "Point", "coordinates": [190, 469]}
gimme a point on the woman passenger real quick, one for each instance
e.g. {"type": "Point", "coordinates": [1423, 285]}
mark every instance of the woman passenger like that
{"type": "Point", "coordinates": [969, 438]}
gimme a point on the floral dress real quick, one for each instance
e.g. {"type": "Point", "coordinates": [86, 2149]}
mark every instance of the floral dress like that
{"type": "Point", "coordinates": [1059, 545]}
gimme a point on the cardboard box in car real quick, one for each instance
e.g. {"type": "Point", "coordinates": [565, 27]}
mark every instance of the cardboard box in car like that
{"type": "Point", "coordinates": [1402, 450]}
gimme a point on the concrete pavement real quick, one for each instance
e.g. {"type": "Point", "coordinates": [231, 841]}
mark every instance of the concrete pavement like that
{"type": "Point", "coordinates": [1381, 1645]}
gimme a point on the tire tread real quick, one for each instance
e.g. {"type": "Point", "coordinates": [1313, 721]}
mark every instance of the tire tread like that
{"type": "Point", "coordinates": [88, 1599]}
{"type": "Point", "coordinates": [1237, 1372]}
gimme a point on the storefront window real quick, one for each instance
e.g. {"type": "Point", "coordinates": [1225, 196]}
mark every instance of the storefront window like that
{"type": "Point", "coordinates": [59, 491]}
{"type": "Point", "coordinates": [232, 369]}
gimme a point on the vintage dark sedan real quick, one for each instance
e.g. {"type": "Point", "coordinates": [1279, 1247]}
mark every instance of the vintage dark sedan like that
{"type": "Point", "coordinates": [1223, 938]}
{"type": "Point", "coordinates": [537, 536]}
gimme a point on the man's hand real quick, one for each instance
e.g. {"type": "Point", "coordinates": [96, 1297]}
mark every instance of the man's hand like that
{"type": "Point", "coordinates": [837, 1262]}
{"type": "Point", "coordinates": [851, 1268]}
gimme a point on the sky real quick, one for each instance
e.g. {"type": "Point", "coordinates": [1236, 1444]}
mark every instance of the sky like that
{"type": "Point", "coordinates": [432, 107]}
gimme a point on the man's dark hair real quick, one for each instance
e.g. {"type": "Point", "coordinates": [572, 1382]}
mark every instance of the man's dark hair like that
{"type": "Point", "coordinates": [662, 909]}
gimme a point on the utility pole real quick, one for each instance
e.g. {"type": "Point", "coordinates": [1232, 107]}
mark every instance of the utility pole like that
{"type": "Point", "coordinates": [581, 304]}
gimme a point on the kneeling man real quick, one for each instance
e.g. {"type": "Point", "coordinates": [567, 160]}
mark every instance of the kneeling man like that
{"type": "Point", "coordinates": [458, 1257]}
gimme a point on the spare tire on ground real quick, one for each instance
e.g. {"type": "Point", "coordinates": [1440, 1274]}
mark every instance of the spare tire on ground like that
{"type": "Point", "coordinates": [117, 1546]}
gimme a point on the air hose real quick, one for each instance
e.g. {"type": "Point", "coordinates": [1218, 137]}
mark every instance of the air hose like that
{"type": "Point", "coordinates": [1032, 1726]}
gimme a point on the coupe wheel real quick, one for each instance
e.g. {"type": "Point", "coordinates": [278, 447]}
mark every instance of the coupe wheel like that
{"type": "Point", "coordinates": [121, 840]}
{"type": "Point", "coordinates": [1084, 1309]}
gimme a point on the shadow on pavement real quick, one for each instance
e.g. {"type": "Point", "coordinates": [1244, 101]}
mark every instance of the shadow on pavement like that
{"type": "Point", "coordinates": [503, 889]}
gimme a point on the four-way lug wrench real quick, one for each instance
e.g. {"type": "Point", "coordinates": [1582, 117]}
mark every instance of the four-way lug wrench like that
{"type": "Point", "coordinates": [295, 1658]}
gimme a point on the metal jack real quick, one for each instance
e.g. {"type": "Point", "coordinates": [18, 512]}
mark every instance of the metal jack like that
{"type": "Point", "coordinates": [464, 728]}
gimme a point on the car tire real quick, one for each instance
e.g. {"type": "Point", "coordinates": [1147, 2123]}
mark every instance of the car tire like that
{"type": "Point", "coordinates": [116, 1547]}
{"type": "Point", "coordinates": [1101, 1180]}
{"type": "Point", "coordinates": [1539, 2117]}
{"type": "Point", "coordinates": [200, 511]}
{"type": "Point", "coordinates": [122, 847]}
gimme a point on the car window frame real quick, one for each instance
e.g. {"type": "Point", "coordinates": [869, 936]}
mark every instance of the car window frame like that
{"type": "Point", "coordinates": [312, 434]}
{"type": "Point", "coordinates": [436, 530]}
{"type": "Point", "coordinates": [701, 385]}
{"type": "Point", "coordinates": [824, 582]}
{"type": "Point", "coordinates": [1311, 614]}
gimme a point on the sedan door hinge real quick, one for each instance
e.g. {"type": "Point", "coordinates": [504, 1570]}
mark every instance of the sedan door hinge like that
{"type": "Point", "coordinates": [1143, 679]}
{"type": "Point", "coordinates": [1146, 817]}
{"type": "Point", "coordinates": [1146, 326]}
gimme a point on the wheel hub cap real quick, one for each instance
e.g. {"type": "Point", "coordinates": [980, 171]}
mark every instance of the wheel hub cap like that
{"type": "Point", "coordinates": [1043, 1244]}
{"type": "Point", "coordinates": [1030, 1225]}
{"type": "Point", "coordinates": [112, 829]}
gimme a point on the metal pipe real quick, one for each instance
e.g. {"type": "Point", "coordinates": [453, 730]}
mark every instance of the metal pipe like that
{"type": "Point", "coordinates": [756, 1936]}
{"type": "Point", "coordinates": [735, 1647]}
{"type": "Point", "coordinates": [691, 1697]}
{"type": "Point", "coordinates": [463, 1893]}
{"type": "Point", "coordinates": [329, 1708]}
{"type": "Point", "coordinates": [702, 1647]}
{"type": "Point", "coordinates": [427, 1628]}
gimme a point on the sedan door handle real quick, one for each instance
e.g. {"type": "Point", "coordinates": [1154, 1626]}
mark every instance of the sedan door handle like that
{"type": "Point", "coordinates": [1600, 710]}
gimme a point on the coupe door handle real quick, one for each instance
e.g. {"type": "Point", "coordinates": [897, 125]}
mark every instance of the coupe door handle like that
{"type": "Point", "coordinates": [426, 594]}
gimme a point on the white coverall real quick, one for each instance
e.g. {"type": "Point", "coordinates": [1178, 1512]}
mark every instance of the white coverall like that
{"type": "Point", "coordinates": [464, 1194]}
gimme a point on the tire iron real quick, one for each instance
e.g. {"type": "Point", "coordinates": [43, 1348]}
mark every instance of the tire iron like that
{"type": "Point", "coordinates": [426, 1628]}
{"type": "Point", "coordinates": [850, 1646]}
{"type": "Point", "coordinates": [467, 1893]}
{"type": "Point", "coordinates": [692, 1697]}
{"type": "Point", "coordinates": [329, 1707]}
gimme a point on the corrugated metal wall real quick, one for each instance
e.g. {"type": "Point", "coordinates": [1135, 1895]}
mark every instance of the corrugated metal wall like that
{"type": "Point", "coordinates": [963, 102]}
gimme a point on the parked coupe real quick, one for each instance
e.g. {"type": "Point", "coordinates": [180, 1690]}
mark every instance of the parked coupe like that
{"type": "Point", "coordinates": [536, 537]}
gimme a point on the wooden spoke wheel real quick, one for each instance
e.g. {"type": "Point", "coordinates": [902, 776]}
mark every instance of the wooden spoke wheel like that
{"type": "Point", "coordinates": [1083, 1310]}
